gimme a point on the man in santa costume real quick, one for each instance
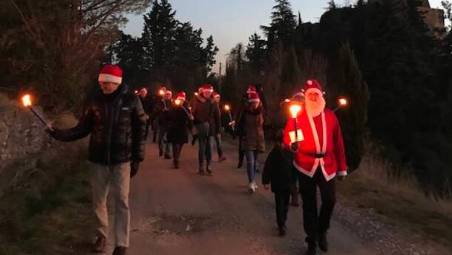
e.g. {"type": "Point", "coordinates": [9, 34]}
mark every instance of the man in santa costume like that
{"type": "Point", "coordinates": [315, 136]}
{"type": "Point", "coordinates": [117, 123]}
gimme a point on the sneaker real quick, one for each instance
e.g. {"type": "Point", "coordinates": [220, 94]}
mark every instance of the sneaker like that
{"type": "Point", "coordinates": [251, 187]}
{"type": "Point", "coordinates": [255, 186]}
{"type": "Point", "coordinates": [100, 244]}
{"type": "Point", "coordinates": [221, 159]}
{"type": "Point", "coordinates": [209, 170]}
{"type": "Point", "coordinates": [167, 156]}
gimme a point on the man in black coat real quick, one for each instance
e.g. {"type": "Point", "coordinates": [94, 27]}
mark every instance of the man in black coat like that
{"type": "Point", "coordinates": [117, 123]}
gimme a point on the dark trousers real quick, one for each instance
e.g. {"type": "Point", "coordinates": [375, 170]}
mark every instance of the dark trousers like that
{"type": "Point", "coordinates": [177, 149]}
{"type": "Point", "coordinates": [218, 145]}
{"type": "Point", "coordinates": [317, 223]}
{"type": "Point", "coordinates": [204, 150]}
{"type": "Point", "coordinates": [164, 146]}
{"type": "Point", "coordinates": [282, 206]}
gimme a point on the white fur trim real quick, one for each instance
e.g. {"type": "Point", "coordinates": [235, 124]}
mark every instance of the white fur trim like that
{"type": "Point", "coordinates": [299, 168]}
{"type": "Point", "coordinates": [256, 100]}
{"type": "Point", "coordinates": [313, 89]}
{"type": "Point", "coordinates": [109, 78]}
{"type": "Point", "coordinates": [342, 173]}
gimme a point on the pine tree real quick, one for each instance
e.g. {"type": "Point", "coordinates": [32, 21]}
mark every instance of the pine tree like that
{"type": "Point", "coordinates": [256, 52]}
{"type": "Point", "coordinates": [283, 24]}
{"type": "Point", "coordinates": [347, 81]}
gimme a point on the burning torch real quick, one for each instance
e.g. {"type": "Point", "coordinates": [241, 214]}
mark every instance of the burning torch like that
{"type": "Point", "coordinates": [342, 102]}
{"type": "Point", "coordinates": [294, 111]}
{"type": "Point", "coordinates": [227, 108]}
{"type": "Point", "coordinates": [26, 101]}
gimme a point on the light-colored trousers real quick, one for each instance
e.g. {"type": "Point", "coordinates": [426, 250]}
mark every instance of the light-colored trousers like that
{"type": "Point", "coordinates": [117, 179]}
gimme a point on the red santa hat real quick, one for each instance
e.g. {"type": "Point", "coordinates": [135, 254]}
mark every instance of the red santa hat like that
{"type": "Point", "coordinates": [312, 85]}
{"type": "Point", "coordinates": [253, 97]}
{"type": "Point", "coordinates": [181, 96]}
{"type": "Point", "coordinates": [251, 89]}
{"type": "Point", "coordinates": [206, 88]}
{"type": "Point", "coordinates": [111, 73]}
{"type": "Point", "coordinates": [216, 95]}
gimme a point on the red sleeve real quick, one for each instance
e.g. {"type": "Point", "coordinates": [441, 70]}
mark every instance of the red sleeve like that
{"type": "Point", "coordinates": [339, 149]}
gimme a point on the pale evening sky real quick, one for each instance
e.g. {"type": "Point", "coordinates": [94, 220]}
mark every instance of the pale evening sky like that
{"type": "Point", "coordinates": [233, 21]}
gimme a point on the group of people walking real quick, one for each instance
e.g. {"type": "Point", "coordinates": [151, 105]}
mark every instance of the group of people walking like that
{"type": "Point", "coordinates": [308, 149]}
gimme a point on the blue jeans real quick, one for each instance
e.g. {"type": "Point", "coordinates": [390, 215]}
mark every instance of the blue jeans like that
{"type": "Point", "coordinates": [251, 164]}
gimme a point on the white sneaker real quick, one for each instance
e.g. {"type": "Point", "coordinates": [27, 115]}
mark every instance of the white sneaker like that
{"type": "Point", "coordinates": [255, 186]}
{"type": "Point", "coordinates": [251, 187]}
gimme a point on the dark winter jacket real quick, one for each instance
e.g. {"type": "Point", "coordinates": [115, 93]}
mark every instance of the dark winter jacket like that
{"type": "Point", "coordinates": [179, 124]}
{"type": "Point", "coordinates": [161, 112]}
{"type": "Point", "coordinates": [206, 112]}
{"type": "Point", "coordinates": [117, 124]}
{"type": "Point", "coordinates": [279, 170]}
{"type": "Point", "coordinates": [252, 135]}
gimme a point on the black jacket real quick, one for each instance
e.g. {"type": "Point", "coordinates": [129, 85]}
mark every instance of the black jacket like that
{"type": "Point", "coordinates": [117, 124]}
{"type": "Point", "coordinates": [279, 170]}
{"type": "Point", "coordinates": [179, 124]}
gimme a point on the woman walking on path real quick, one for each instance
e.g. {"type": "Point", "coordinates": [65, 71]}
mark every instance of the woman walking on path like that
{"type": "Point", "coordinates": [252, 139]}
{"type": "Point", "coordinates": [180, 122]}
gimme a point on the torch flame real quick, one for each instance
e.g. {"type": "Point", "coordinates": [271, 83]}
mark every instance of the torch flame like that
{"type": "Point", "coordinates": [161, 92]}
{"type": "Point", "coordinates": [343, 102]}
{"type": "Point", "coordinates": [294, 110]}
{"type": "Point", "coordinates": [177, 102]}
{"type": "Point", "coordinates": [26, 100]}
{"type": "Point", "coordinates": [227, 107]}
{"type": "Point", "coordinates": [196, 94]}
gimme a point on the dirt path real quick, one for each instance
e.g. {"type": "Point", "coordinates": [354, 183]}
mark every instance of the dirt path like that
{"type": "Point", "coordinates": [179, 212]}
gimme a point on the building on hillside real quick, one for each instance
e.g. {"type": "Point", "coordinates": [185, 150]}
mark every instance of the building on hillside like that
{"type": "Point", "coordinates": [434, 18]}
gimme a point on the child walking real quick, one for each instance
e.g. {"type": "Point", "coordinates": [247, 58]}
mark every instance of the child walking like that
{"type": "Point", "coordinates": [279, 172]}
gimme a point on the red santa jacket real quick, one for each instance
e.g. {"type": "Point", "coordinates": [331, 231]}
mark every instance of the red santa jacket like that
{"type": "Point", "coordinates": [313, 149]}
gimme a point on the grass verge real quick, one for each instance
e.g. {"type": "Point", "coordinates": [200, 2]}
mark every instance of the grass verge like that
{"type": "Point", "coordinates": [399, 200]}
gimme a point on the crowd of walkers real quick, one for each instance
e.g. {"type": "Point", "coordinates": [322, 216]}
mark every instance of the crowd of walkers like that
{"type": "Point", "coordinates": [308, 151]}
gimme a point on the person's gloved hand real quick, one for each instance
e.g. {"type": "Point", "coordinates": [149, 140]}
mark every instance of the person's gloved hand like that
{"type": "Point", "coordinates": [134, 166]}
{"type": "Point", "coordinates": [294, 146]}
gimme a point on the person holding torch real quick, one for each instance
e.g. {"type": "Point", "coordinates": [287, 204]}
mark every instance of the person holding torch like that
{"type": "Point", "coordinates": [180, 122]}
{"type": "Point", "coordinates": [315, 136]}
{"type": "Point", "coordinates": [117, 123]}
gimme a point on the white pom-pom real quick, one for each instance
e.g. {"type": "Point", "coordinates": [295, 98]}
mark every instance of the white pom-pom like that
{"type": "Point", "coordinates": [309, 82]}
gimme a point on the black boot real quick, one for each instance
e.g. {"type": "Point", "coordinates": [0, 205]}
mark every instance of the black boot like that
{"type": "Point", "coordinates": [312, 250]}
{"type": "Point", "coordinates": [282, 231]}
{"type": "Point", "coordinates": [323, 242]}
{"type": "Point", "coordinates": [201, 169]}
{"type": "Point", "coordinates": [312, 247]}
{"type": "Point", "coordinates": [120, 251]}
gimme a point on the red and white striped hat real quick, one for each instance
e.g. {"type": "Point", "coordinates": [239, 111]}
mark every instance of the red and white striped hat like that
{"type": "Point", "coordinates": [216, 95]}
{"type": "Point", "coordinates": [181, 96]}
{"type": "Point", "coordinates": [312, 85]}
{"type": "Point", "coordinates": [111, 73]}
{"type": "Point", "coordinates": [251, 89]}
{"type": "Point", "coordinates": [206, 88]}
{"type": "Point", "coordinates": [253, 97]}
